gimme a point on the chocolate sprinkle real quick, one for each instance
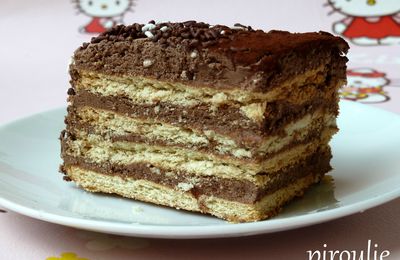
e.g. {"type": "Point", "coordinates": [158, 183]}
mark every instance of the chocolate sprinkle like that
{"type": "Point", "coordinates": [3, 211]}
{"type": "Point", "coordinates": [71, 92]}
{"type": "Point", "coordinates": [190, 33]}
{"type": "Point", "coordinates": [243, 26]}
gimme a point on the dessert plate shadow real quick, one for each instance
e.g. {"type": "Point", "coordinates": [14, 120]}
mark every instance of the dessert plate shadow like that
{"type": "Point", "coordinates": [366, 174]}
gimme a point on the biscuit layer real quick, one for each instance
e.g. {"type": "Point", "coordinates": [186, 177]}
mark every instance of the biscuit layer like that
{"type": "Point", "coordinates": [117, 127]}
{"type": "Point", "coordinates": [233, 211]}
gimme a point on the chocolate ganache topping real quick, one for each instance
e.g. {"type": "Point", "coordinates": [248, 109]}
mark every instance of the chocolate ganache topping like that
{"type": "Point", "coordinates": [208, 55]}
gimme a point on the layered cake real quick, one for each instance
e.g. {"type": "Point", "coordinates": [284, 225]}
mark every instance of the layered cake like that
{"type": "Point", "coordinates": [227, 121]}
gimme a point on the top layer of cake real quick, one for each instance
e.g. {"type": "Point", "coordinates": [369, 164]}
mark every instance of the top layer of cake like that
{"type": "Point", "coordinates": [204, 55]}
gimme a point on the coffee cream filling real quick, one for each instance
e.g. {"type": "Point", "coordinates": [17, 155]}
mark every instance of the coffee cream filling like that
{"type": "Point", "coordinates": [111, 124]}
{"type": "Point", "coordinates": [95, 149]}
{"type": "Point", "coordinates": [142, 90]}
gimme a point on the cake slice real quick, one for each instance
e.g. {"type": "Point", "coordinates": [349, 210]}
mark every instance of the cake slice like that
{"type": "Point", "coordinates": [232, 122]}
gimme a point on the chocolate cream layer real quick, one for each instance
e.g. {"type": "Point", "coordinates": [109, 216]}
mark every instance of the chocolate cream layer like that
{"type": "Point", "coordinates": [236, 107]}
{"type": "Point", "coordinates": [242, 191]}
{"type": "Point", "coordinates": [225, 121]}
{"type": "Point", "coordinates": [309, 85]}
{"type": "Point", "coordinates": [97, 149]}
{"type": "Point", "coordinates": [215, 56]}
{"type": "Point", "coordinates": [120, 128]}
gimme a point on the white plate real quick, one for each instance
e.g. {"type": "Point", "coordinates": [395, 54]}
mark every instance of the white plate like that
{"type": "Point", "coordinates": [367, 173]}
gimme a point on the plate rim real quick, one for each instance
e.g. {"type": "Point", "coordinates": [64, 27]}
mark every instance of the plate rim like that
{"type": "Point", "coordinates": [203, 231]}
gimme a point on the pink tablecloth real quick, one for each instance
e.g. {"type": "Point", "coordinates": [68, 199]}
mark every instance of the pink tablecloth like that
{"type": "Point", "coordinates": [38, 38]}
{"type": "Point", "coordinates": [25, 238]}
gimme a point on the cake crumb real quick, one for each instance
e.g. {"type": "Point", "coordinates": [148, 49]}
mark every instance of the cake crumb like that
{"type": "Point", "coordinates": [185, 186]}
{"type": "Point", "coordinates": [219, 98]}
{"type": "Point", "coordinates": [147, 63]}
{"type": "Point", "coordinates": [184, 75]}
{"type": "Point", "coordinates": [193, 54]}
{"type": "Point", "coordinates": [137, 209]}
{"type": "Point", "coordinates": [155, 170]}
{"type": "Point", "coordinates": [254, 111]}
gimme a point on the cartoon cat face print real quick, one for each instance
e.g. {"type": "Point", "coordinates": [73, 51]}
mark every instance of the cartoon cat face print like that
{"type": "Point", "coordinates": [104, 8]}
{"type": "Point", "coordinates": [366, 8]}
{"type": "Point", "coordinates": [361, 81]}
{"type": "Point", "coordinates": [368, 22]}
{"type": "Point", "coordinates": [104, 14]}
{"type": "Point", "coordinates": [365, 85]}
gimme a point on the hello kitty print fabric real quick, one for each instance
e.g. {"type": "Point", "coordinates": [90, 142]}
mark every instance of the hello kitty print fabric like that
{"type": "Point", "coordinates": [53, 29]}
{"type": "Point", "coordinates": [373, 24]}
{"type": "Point", "coordinates": [368, 22]}
{"type": "Point", "coordinates": [103, 14]}
{"type": "Point", "coordinates": [365, 85]}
